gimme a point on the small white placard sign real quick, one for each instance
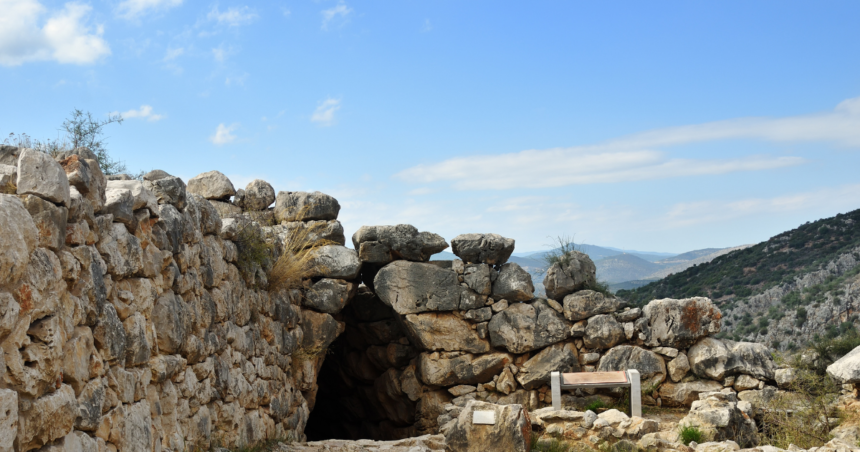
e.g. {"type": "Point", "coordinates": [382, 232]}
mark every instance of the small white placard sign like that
{"type": "Point", "coordinates": [483, 417]}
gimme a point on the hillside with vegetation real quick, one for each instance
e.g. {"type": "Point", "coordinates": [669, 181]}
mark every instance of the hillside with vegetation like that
{"type": "Point", "coordinates": [793, 289]}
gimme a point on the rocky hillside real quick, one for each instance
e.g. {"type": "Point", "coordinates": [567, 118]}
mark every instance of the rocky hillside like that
{"type": "Point", "coordinates": [797, 286]}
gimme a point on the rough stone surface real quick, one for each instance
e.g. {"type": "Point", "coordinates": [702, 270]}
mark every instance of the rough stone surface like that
{"type": "Point", "coordinates": [211, 185]}
{"type": "Point", "coordinates": [575, 272]}
{"type": "Point", "coordinates": [50, 220]}
{"type": "Point", "coordinates": [329, 295]}
{"type": "Point", "coordinates": [652, 369]}
{"type": "Point", "coordinates": [315, 232]}
{"type": "Point", "coordinates": [258, 195]}
{"type": "Point", "coordinates": [680, 323]}
{"type": "Point", "coordinates": [513, 284]}
{"type": "Point", "coordinates": [490, 249]}
{"type": "Point", "coordinates": [603, 332]}
{"type": "Point", "coordinates": [141, 195]}
{"type": "Point", "coordinates": [524, 327]}
{"type": "Point", "coordinates": [684, 394]}
{"type": "Point", "coordinates": [119, 202]}
{"type": "Point", "coordinates": [715, 359]}
{"type": "Point", "coordinates": [719, 417]}
{"type": "Point", "coordinates": [466, 369]}
{"type": "Point", "coordinates": [678, 367]}
{"type": "Point", "coordinates": [444, 331]}
{"type": "Point", "coordinates": [166, 188]}
{"type": "Point", "coordinates": [18, 239]}
{"type": "Point", "coordinates": [303, 206]}
{"type": "Point", "coordinates": [555, 358]}
{"type": "Point", "coordinates": [587, 303]}
{"type": "Point", "coordinates": [336, 262]}
{"type": "Point", "coordinates": [8, 179]}
{"type": "Point", "coordinates": [847, 368]}
{"type": "Point", "coordinates": [412, 287]}
{"type": "Point", "coordinates": [511, 432]}
{"type": "Point", "coordinates": [40, 175]}
{"type": "Point", "coordinates": [383, 244]}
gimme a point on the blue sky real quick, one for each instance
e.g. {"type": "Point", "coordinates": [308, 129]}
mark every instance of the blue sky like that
{"type": "Point", "coordinates": [664, 126]}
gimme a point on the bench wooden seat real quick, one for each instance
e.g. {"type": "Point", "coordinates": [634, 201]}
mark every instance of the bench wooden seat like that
{"type": "Point", "coordinates": [620, 379]}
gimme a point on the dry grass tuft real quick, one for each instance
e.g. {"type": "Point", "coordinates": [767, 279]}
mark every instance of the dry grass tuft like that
{"type": "Point", "coordinates": [296, 262]}
{"type": "Point", "coordinates": [803, 415]}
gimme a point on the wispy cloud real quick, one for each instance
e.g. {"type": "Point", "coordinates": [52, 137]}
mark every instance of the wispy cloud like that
{"type": "Point", "coordinates": [233, 16]}
{"type": "Point", "coordinates": [236, 79]}
{"type": "Point", "coordinates": [144, 112]}
{"type": "Point", "coordinates": [64, 37]}
{"type": "Point", "coordinates": [224, 134]}
{"type": "Point", "coordinates": [633, 157]}
{"type": "Point", "coordinates": [324, 114]}
{"type": "Point", "coordinates": [134, 9]}
{"type": "Point", "coordinates": [173, 53]}
{"type": "Point", "coordinates": [221, 53]}
{"type": "Point", "coordinates": [339, 12]}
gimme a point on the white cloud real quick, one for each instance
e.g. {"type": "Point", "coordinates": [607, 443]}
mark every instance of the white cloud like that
{"type": "Point", "coordinates": [134, 9]}
{"type": "Point", "coordinates": [324, 114]}
{"type": "Point", "coordinates": [337, 12]}
{"type": "Point", "coordinates": [236, 79]}
{"type": "Point", "coordinates": [233, 16]}
{"type": "Point", "coordinates": [144, 112]}
{"type": "Point", "coordinates": [173, 53]}
{"type": "Point", "coordinates": [634, 158]}
{"type": "Point", "coordinates": [224, 134]}
{"type": "Point", "coordinates": [64, 37]}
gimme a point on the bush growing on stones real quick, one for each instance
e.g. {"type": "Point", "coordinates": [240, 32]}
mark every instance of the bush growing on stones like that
{"type": "Point", "coordinates": [803, 415]}
{"type": "Point", "coordinates": [254, 251]}
{"type": "Point", "coordinates": [690, 433]}
{"type": "Point", "coordinates": [296, 262]}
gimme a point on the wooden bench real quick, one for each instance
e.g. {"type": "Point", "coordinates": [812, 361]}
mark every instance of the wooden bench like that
{"type": "Point", "coordinates": [620, 379]}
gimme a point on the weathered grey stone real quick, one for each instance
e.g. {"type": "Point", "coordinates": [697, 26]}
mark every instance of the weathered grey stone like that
{"type": "Point", "coordinates": [91, 400]}
{"type": "Point", "coordinates": [490, 249]}
{"type": "Point", "coordinates": [9, 154]}
{"type": "Point", "coordinates": [8, 179]}
{"type": "Point", "coordinates": [87, 178]}
{"type": "Point", "coordinates": [121, 251]}
{"type": "Point", "coordinates": [470, 300]}
{"type": "Point", "coordinates": [720, 419]}
{"type": "Point", "coordinates": [383, 244]}
{"type": "Point", "coordinates": [48, 418]}
{"type": "Point", "coordinates": [137, 347]}
{"type": "Point", "coordinates": [684, 394]}
{"type": "Point", "coordinates": [119, 202]}
{"type": "Point", "coordinates": [479, 315]}
{"type": "Point", "coordinates": [678, 367]}
{"type": "Point", "coordinates": [258, 195]}
{"type": "Point", "coordinates": [651, 367]}
{"type": "Point", "coordinates": [603, 332]}
{"type": "Point", "coordinates": [141, 195]}
{"type": "Point", "coordinates": [211, 185]}
{"type": "Point", "coordinates": [166, 188]}
{"type": "Point", "coordinates": [434, 331]}
{"type": "Point", "coordinates": [50, 221]}
{"type": "Point", "coordinates": [438, 370]}
{"type": "Point", "coordinates": [556, 358]}
{"type": "Point", "coordinates": [168, 318]}
{"type": "Point", "coordinates": [715, 359]}
{"type": "Point", "coordinates": [477, 277]}
{"type": "Point", "coordinates": [109, 335]}
{"type": "Point", "coordinates": [511, 431]}
{"type": "Point", "coordinates": [847, 368]}
{"type": "Point", "coordinates": [329, 295]}
{"type": "Point", "coordinates": [513, 284]}
{"type": "Point", "coordinates": [334, 261]}
{"type": "Point", "coordinates": [786, 377]}
{"type": "Point", "coordinates": [40, 175]}
{"type": "Point", "coordinates": [310, 233]}
{"type": "Point", "coordinates": [303, 206]}
{"type": "Point", "coordinates": [575, 271]}
{"type": "Point", "coordinates": [745, 382]}
{"type": "Point", "coordinates": [320, 330]}
{"type": "Point", "coordinates": [8, 418]}
{"type": "Point", "coordinates": [586, 303]}
{"type": "Point", "coordinates": [170, 223]}
{"type": "Point", "coordinates": [524, 327]}
{"type": "Point", "coordinates": [680, 323]}
{"type": "Point", "coordinates": [413, 287]}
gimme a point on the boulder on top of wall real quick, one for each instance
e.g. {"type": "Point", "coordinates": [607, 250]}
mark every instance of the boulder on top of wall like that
{"type": "Point", "coordinates": [383, 244]}
{"type": "Point", "coordinates": [8, 179]}
{"type": "Point", "coordinates": [329, 295]}
{"type": "Point", "coordinates": [603, 332]}
{"type": "Point", "coordinates": [651, 367]}
{"type": "Point", "coordinates": [490, 249]}
{"type": "Point", "coordinates": [142, 196]}
{"type": "Point", "coordinates": [523, 327]}
{"type": "Point", "coordinates": [303, 206]}
{"type": "Point", "coordinates": [847, 368]}
{"type": "Point", "coordinates": [258, 195]}
{"type": "Point", "coordinates": [120, 203]}
{"type": "Point", "coordinates": [555, 358]}
{"type": "Point", "coordinates": [334, 261]}
{"type": "Point", "coordinates": [511, 431]}
{"type": "Point", "coordinates": [310, 233]}
{"type": "Point", "coordinates": [513, 284]}
{"type": "Point", "coordinates": [211, 185]}
{"type": "Point", "coordinates": [86, 176]}
{"type": "Point", "coordinates": [413, 287]}
{"type": "Point", "coordinates": [680, 323]}
{"type": "Point", "coordinates": [574, 271]}
{"type": "Point", "coordinates": [434, 331]}
{"type": "Point", "coordinates": [50, 221]}
{"type": "Point", "coordinates": [586, 303]}
{"type": "Point", "coordinates": [40, 175]}
{"type": "Point", "coordinates": [166, 188]}
{"type": "Point", "coordinates": [715, 359]}
{"type": "Point", "coordinates": [438, 369]}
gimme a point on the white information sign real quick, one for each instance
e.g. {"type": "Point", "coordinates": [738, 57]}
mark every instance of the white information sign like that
{"type": "Point", "coordinates": [483, 417]}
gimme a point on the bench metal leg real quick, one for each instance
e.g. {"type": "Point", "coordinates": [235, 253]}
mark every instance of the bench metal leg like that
{"type": "Point", "coordinates": [635, 393]}
{"type": "Point", "coordinates": [555, 383]}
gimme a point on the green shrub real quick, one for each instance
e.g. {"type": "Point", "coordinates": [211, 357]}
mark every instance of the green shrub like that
{"type": "Point", "coordinates": [595, 405]}
{"type": "Point", "coordinates": [801, 415]}
{"type": "Point", "coordinates": [689, 433]}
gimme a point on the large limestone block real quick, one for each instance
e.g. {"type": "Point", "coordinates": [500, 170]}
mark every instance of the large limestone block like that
{"type": "Point", "coordinates": [751, 358]}
{"type": "Point", "coordinates": [524, 327]}
{"type": "Point", "coordinates": [18, 239]}
{"type": "Point", "coordinates": [48, 418]}
{"type": "Point", "coordinates": [412, 287]}
{"type": "Point", "coordinates": [8, 179]}
{"type": "Point", "coordinates": [719, 417]}
{"type": "Point", "coordinates": [167, 189]}
{"type": "Point", "coordinates": [603, 332]}
{"type": "Point", "coordinates": [303, 206]}
{"type": "Point", "coordinates": [490, 249]}
{"type": "Point", "coordinates": [439, 370]}
{"type": "Point", "coordinates": [312, 233]}
{"type": "Point", "coordinates": [678, 367]}
{"type": "Point", "coordinates": [50, 220]}
{"type": "Point", "coordinates": [119, 202]}
{"type": "Point", "coordinates": [74, 442]}
{"type": "Point", "coordinates": [574, 271]}
{"type": "Point", "coordinates": [168, 318]}
{"type": "Point", "coordinates": [259, 195]}
{"type": "Point", "coordinates": [121, 251]}
{"type": "Point", "coordinates": [142, 196]}
{"type": "Point", "coordinates": [556, 358]}
{"type": "Point", "coordinates": [77, 352]}
{"type": "Point", "coordinates": [479, 278]}
{"type": "Point", "coordinates": [511, 431]}
{"type": "Point", "coordinates": [8, 419]}
{"type": "Point", "coordinates": [334, 261]}
{"type": "Point", "coordinates": [329, 295]}
{"type": "Point", "coordinates": [9, 154]}
{"type": "Point", "coordinates": [320, 330]}
{"type": "Point", "coordinates": [847, 368]}
{"type": "Point", "coordinates": [513, 284]}
{"type": "Point", "coordinates": [211, 185]}
{"type": "Point", "coordinates": [109, 335]}
{"type": "Point", "coordinates": [129, 427]}
{"type": "Point", "coordinates": [383, 244]}
{"type": "Point", "coordinates": [651, 367]}
{"type": "Point", "coordinates": [86, 176]}
{"type": "Point", "coordinates": [444, 331]}
{"type": "Point", "coordinates": [713, 358]}
{"type": "Point", "coordinates": [40, 175]}
{"type": "Point", "coordinates": [586, 303]}
{"type": "Point", "coordinates": [683, 394]}
{"type": "Point", "coordinates": [680, 323]}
